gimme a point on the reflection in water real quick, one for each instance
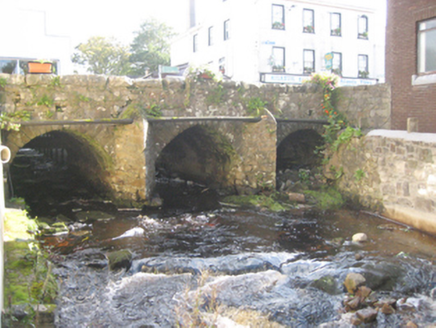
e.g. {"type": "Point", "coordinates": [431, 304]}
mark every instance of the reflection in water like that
{"type": "Point", "coordinates": [227, 261]}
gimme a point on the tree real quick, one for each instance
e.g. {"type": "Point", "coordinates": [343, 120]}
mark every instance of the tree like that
{"type": "Point", "coordinates": [103, 56]}
{"type": "Point", "coordinates": [151, 46]}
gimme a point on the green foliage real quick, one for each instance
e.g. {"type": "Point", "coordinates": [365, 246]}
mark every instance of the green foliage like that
{"type": "Point", "coordinates": [255, 106]}
{"type": "Point", "coordinates": [136, 111]}
{"type": "Point", "coordinates": [337, 121]}
{"type": "Point", "coordinates": [359, 175]}
{"type": "Point", "coordinates": [3, 82]}
{"type": "Point", "coordinates": [328, 198]}
{"type": "Point", "coordinates": [45, 100]}
{"type": "Point", "coordinates": [203, 73]}
{"type": "Point", "coordinates": [103, 56]}
{"type": "Point", "coordinates": [272, 202]}
{"type": "Point", "coordinates": [150, 47]}
{"type": "Point", "coordinates": [28, 277]}
{"type": "Point", "coordinates": [55, 82]}
{"type": "Point", "coordinates": [8, 121]}
{"type": "Point", "coordinates": [216, 96]}
{"type": "Point", "coordinates": [82, 98]}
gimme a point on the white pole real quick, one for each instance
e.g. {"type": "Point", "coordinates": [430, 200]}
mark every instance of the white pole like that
{"type": "Point", "coordinates": [5, 156]}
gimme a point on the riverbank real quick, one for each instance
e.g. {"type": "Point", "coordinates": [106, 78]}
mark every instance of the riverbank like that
{"type": "Point", "coordinates": [30, 286]}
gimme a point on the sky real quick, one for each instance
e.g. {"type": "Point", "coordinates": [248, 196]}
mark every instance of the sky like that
{"type": "Point", "coordinates": [81, 19]}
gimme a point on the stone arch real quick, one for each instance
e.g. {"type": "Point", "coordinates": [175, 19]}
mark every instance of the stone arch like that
{"type": "Point", "coordinates": [52, 149]}
{"type": "Point", "coordinates": [200, 153]}
{"type": "Point", "coordinates": [296, 150]}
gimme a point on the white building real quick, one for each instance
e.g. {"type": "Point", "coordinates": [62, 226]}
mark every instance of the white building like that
{"type": "Point", "coordinates": [31, 33]}
{"type": "Point", "coordinates": [284, 40]}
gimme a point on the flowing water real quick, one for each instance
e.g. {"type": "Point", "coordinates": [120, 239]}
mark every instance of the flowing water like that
{"type": "Point", "coordinates": [221, 265]}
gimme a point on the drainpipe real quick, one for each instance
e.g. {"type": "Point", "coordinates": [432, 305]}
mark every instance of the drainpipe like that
{"type": "Point", "coordinates": [5, 156]}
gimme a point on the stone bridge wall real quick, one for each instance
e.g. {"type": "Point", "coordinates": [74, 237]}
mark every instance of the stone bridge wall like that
{"type": "Point", "coordinates": [91, 97]}
{"type": "Point", "coordinates": [397, 175]}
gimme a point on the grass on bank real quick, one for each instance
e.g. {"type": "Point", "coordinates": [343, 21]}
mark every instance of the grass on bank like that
{"type": "Point", "coordinates": [28, 279]}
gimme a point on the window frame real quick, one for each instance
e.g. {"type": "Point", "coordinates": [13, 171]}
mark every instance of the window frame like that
{"type": "Point", "coordinates": [226, 29]}
{"type": "Point", "coordinates": [419, 55]}
{"type": "Point", "coordinates": [337, 71]}
{"type": "Point", "coordinates": [195, 43]}
{"type": "Point", "coordinates": [306, 69]}
{"type": "Point", "coordinates": [210, 36]}
{"type": "Point", "coordinates": [360, 73]}
{"type": "Point", "coordinates": [362, 34]}
{"type": "Point", "coordinates": [309, 28]}
{"type": "Point", "coordinates": [278, 68]}
{"type": "Point", "coordinates": [277, 24]}
{"type": "Point", "coordinates": [335, 30]}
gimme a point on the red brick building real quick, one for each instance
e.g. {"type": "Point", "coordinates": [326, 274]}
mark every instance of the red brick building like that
{"type": "Point", "coordinates": [411, 62]}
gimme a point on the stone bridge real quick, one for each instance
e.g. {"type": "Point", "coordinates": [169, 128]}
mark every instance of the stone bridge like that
{"type": "Point", "coordinates": [119, 133]}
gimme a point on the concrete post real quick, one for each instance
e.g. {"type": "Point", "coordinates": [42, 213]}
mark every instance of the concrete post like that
{"type": "Point", "coordinates": [412, 124]}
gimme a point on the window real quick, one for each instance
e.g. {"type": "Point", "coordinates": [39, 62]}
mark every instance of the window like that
{"type": "Point", "coordinates": [427, 46]}
{"type": "Point", "coordinates": [335, 24]}
{"type": "Point", "coordinates": [278, 59]}
{"type": "Point", "coordinates": [337, 63]}
{"type": "Point", "coordinates": [8, 66]}
{"type": "Point", "coordinates": [363, 66]}
{"type": "Point", "coordinates": [278, 17]}
{"type": "Point", "coordinates": [363, 27]}
{"type": "Point", "coordinates": [222, 65]}
{"type": "Point", "coordinates": [227, 30]}
{"type": "Point", "coordinates": [195, 43]}
{"type": "Point", "coordinates": [308, 21]}
{"type": "Point", "coordinates": [210, 36]}
{"type": "Point", "coordinates": [308, 61]}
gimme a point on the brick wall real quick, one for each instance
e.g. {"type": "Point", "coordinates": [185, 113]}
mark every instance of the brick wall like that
{"type": "Point", "coordinates": [401, 57]}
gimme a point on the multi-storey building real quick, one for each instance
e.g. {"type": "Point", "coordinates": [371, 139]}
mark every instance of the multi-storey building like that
{"type": "Point", "coordinates": [411, 62]}
{"type": "Point", "coordinates": [284, 41]}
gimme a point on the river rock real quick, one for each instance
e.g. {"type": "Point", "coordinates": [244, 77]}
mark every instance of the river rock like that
{"type": "Point", "coordinates": [296, 197]}
{"type": "Point", "coordinates": [327, 284]}
{"type": "Point", "coordinates": [387, 309]}
{"type": "Point", "coordinates": [120, 259]}
{"type": "Point", "coordinates": [359, 237]}
{"type": "Point", "coordinates": [367, 315]}
{"type": "Point", "coordinates": [353, 281]}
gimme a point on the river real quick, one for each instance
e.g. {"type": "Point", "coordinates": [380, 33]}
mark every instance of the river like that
{"type": "Point", "coordinates": [222, 266]}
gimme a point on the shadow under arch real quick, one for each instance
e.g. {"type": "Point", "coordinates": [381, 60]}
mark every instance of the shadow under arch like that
{"type": "Point", "coordinates": [57, 166]}
{"type": "Point", "coordinates": [199, 156]}
{"type": "Point", "coordinates": [297, 150]}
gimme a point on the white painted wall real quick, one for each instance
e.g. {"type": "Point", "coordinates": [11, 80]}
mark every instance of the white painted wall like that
{"type": "Point", "coordinates": [30, 33]}
{"type": "Point", "coordinates": [250, 46]}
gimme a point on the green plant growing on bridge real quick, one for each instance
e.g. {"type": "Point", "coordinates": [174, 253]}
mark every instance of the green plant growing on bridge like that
{"type": "Point", "coordinates": [55, 82]}
{"type": "Point", "coordinates": [3, 82]}
{"type": "Point", "coordinates": [45, 100]}
{"type": "Point", "coordinates": [359, 175]}
{"type": "Point", "coordinates": [255, 106]}
{"type": "Point", "coordinates": [8, 121]}
{"type": "Point", "coordinates": [216, 96]}
{"type": "Point", "coordinates": [337, 121]}
{"type": "Point", "coordinates": [136, 111]}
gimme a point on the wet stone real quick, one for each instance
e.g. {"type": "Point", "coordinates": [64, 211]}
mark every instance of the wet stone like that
{"type": "Point", "coordinates": [353, 281]}
{"type": "Point", "coordinates": [367, 315]}
{"type": "Point", "coordinates": [119, 260]}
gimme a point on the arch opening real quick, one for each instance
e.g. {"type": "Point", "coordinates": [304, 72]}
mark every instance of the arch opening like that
{"type": "Point", "coordinates": [295, 153]}
{"type": "Point", "coordinates": [195, 161]}
{"type": "Point", "coordinates": [56, 167]}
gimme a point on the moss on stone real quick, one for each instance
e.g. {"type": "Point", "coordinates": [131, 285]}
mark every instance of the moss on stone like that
{"type": "Point", "coordinates": [328, 198]}
{"type": "Point", "coordinates": [271, 202]}
{"type": "Point", "coordinates": [29, 280]}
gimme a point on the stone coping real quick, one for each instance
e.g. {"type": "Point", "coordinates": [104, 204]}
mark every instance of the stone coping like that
{"type": "Point", "coordinates": [399, 134]}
